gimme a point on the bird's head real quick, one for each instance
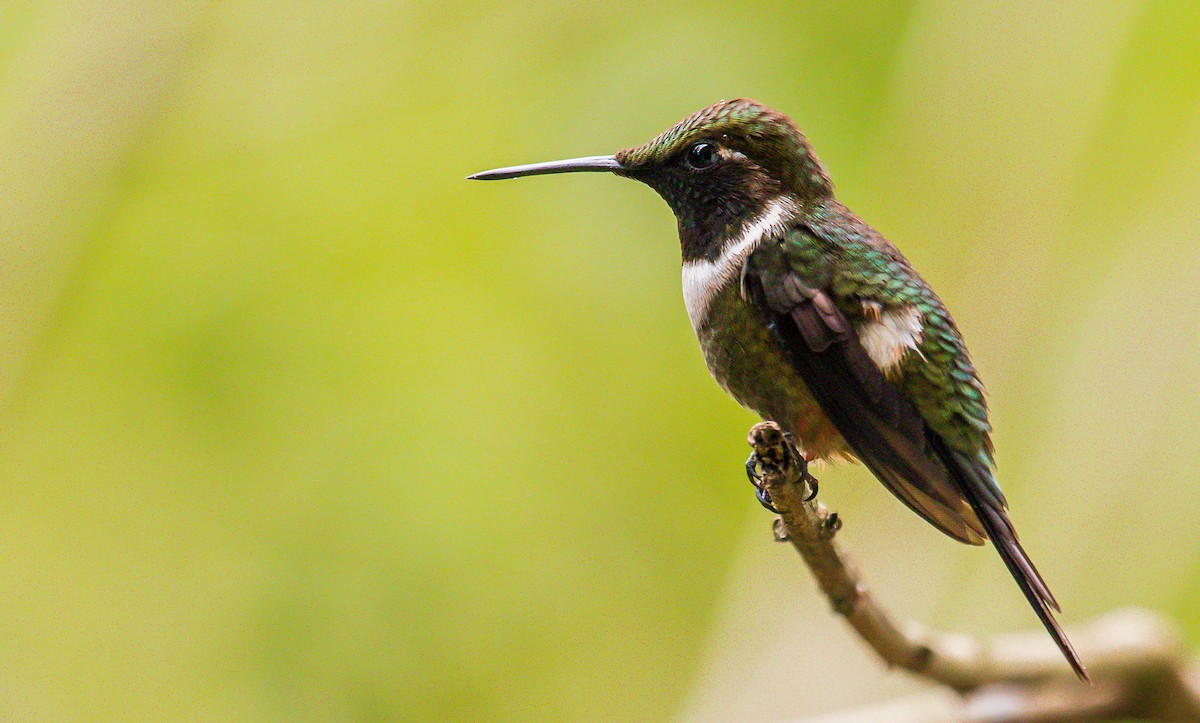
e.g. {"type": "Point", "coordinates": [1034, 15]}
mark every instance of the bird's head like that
{"type": "Point", "coordinates": [718, 168]}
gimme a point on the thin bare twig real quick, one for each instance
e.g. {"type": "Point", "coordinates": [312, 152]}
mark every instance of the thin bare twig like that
{"type": "Point", "coordinates": [1135, 657]}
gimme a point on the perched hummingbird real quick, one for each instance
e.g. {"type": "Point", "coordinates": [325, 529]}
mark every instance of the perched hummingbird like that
{"type": "Point", "coordinates": [812, 319]}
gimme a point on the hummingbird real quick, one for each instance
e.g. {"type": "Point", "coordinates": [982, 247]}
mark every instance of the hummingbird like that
{"type": "Point", "coordinates": [810, 318]}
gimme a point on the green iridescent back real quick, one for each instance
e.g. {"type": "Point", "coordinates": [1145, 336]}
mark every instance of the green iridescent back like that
{"type": "Point", "coordinates": [940, 380]}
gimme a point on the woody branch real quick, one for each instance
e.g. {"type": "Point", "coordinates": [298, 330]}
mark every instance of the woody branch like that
{"type": "Point", "coordinates": [1136, 658]}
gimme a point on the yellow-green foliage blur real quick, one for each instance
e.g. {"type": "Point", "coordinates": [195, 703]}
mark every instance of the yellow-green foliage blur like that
{"type": "Point", "coordinates": [298, 424]}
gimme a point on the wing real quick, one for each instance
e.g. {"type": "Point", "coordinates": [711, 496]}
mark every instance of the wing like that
{"type": "Point", "coordinates": [881, 426]}
{"type": "Point", "coordinates": [946, 483]}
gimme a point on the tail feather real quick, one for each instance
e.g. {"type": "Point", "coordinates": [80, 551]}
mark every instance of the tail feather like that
{"type": "Point", "coordinates": [1003, 535]}
{"type": "Point", "coordinates": [999, 529]}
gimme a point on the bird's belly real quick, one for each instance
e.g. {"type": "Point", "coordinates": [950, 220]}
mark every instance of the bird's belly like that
{"type": "Point", "coordinates": [746, 360]}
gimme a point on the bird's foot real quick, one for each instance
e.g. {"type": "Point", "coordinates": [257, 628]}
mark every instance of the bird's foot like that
{"type": "Point", "coordinates": [811, 481]}
{"type": "Point", "coordinates": [760, 489]}
{"type": "Point", "coordinates": [783, 456]}
{"type": "Point", "coordinates": [800, 461]}
{"type": "Point", "coordinates": [775, 460]}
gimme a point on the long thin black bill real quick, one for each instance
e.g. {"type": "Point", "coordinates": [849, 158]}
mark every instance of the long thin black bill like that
{"type": "Point", "coordinates": [571, 165]}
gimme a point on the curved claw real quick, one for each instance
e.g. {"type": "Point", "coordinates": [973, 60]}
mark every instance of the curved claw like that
{"type": "Point", "coordinates": [812, 487]}
{"type": "Point", "coordinates": [764, 498]}
{"type": "Point", "coordinates": [752, 469]}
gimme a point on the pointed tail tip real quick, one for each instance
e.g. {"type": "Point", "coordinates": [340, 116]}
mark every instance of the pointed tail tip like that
{"type": "Point", "coordinates": [1069, 653]}
{"type": "Point", "coordinates": [1079, 668]}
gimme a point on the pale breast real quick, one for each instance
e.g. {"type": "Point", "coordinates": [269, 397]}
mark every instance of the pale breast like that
{"type": "Point", "coordinates": [702, 279]}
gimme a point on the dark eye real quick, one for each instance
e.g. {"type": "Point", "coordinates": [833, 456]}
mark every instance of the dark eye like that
{"type": "Point", "coordinates": [703, 156]}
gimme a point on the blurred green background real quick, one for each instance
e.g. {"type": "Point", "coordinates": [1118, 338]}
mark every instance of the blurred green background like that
{"type": "Point", "coordinates": [296, 423]}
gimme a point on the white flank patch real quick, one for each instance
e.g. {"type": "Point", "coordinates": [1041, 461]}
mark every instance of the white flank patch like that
{"type": "Point", "coordinates": [703, 279]}
{"type": "Point", "coordinates": [889, 337]}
